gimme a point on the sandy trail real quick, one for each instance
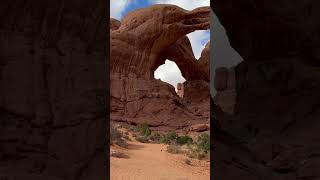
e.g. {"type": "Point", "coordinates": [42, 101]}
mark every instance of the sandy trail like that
{"type": "Point", "coordinates": [152, 162]}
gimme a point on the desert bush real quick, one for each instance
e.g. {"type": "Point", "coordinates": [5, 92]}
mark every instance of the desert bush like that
{"type": "Point", "coordinates": [144, 129]}
{"type": "Point", "coordinates": [181, 140]}
{"type": "Point", "coordinates": [203, 142]}
{"type": "Point", "coordinates": [163, 139]}
{"type": "Point", "coordinates": [116, 137]}
{"type": "Point", "coordinates": [200, 149]}
{"type": "Point", "coordinates": [155, 137]}
{"type": "Point", "coordinates": [171, 137]}
{"type": "Point", "coordinates": [174, 149]}
{"type": "Point", "coordinates": [114, 133]}
{"type": "Point", "coordinates": [197, 154]}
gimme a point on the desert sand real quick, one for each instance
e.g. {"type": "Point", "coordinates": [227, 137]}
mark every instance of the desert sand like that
{"type": "Point", "coordinates": [146, 161]}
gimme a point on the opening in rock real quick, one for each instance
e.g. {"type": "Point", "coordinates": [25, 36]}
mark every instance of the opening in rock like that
{"type": "Point", "coordinates": [198, 40]}
{"type": "Point", "coordinates": [170, 73]}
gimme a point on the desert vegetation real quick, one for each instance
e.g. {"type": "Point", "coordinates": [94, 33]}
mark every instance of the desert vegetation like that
{"type": "Point", "coordinates": [198, 148]}
{"type": "Point", "coordinates": [117, 137]}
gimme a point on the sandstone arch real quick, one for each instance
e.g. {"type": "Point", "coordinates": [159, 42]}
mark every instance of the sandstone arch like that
{"type": "Point", "coordinates": [144, 40]}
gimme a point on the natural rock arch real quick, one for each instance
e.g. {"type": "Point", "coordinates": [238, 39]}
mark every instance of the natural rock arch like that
{"type": "Point", "coordinates": [143, 41]}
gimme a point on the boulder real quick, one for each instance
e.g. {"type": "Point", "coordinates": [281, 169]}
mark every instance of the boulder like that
{"type": "Point", "coordinates": [199, 127]}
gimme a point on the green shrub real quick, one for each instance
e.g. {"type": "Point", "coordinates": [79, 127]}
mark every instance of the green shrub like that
{"type": "Point", "coordinates": [171, 137]}
{"type": "Point", "coordinates": [181, 140]}
{"type": "Point", "coordinates": [163, 139]}
{"type": "Point", "coordinates": [203, 142]}
{"type": "Point", "coordinates": [144, 129]}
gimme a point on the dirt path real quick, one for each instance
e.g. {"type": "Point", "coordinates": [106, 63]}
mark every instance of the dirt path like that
{"type": "Point", "coordinates": [152, 162]}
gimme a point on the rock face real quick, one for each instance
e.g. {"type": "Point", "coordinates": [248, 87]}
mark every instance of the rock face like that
{"type": "Point", "coordinates": [225, 85]}
{"type": "Point", "coordinates": [145, 39]}
{"type": "Point", "coordinates": [204, 61]}
{"type": "Point", "coordinates": [52, 98]}
{"type": "Point", "coordinates": [180, 90]}
{"type": "Point", "coordinates": [114, 24]}
{"type": "Point", "coordinates": [274, 131]}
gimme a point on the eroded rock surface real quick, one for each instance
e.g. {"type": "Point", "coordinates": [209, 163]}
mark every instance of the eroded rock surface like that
{"type": "Point", "coordinates": [225, 85]}
{"type": "Point", "coordinates": [145, 39]}
{"type": "Point", "coordinates": [52, 89]}
{"type": "Point", "coordinates": [274, 131]}
{"type": "Point", "coordinates": [114, 24]}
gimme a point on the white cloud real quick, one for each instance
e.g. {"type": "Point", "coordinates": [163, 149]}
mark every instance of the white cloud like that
{"type": "Point", "coordinates": [198, 41]}
{"type": "Point", "coordinates": [170, 73]}
{"type": "Point", "coordinates": [117, 8]}
{"type": "Point", "coordinates": [186, 4]}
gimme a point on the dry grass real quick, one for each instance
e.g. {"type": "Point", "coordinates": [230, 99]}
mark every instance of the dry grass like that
{"type": "Point", "coordinates": [116, 137]}
{"type": "Point", "coordinates": [174, 149]}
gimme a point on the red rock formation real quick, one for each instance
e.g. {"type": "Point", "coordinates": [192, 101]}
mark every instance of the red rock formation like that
{"type": "Point", "coordinates": [114, 24]}
{"type": "Point", "coordinates": [204, 62]}
{"type": "Point", "coordinates": [274, 133]}
{"type": "Point", "coordinates": [191, 68]}
{"type": "Point", "coordinates": [200, 127]}
{"type": "Point", "coordinates": [145, 39]}
{"type": "Point", "coordinates": [197, 91]}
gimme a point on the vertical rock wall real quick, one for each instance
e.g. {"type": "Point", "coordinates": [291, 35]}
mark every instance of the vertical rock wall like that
{"type": "Point", "coordinates": [273, 133]}
{"type": "Point", "coordinates": [53, 89]}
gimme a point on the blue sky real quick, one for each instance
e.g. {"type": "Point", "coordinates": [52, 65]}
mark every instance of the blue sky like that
{"type": "Point", "coordinates": [169, 72]}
